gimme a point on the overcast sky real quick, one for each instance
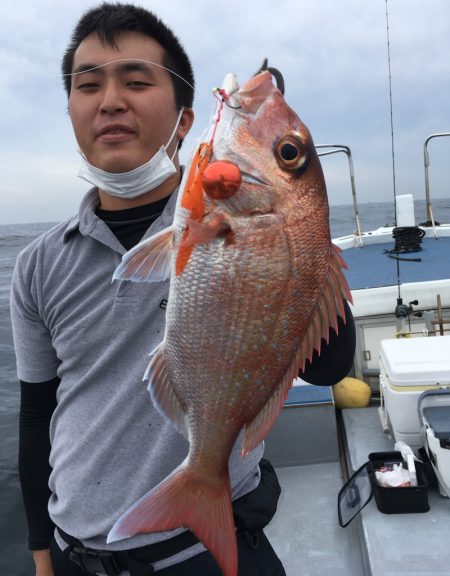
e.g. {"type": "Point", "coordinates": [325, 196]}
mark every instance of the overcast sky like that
{"type": "Point", "coordinates": [332, 53]}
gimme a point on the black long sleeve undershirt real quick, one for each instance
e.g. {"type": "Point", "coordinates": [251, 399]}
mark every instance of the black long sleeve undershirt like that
{"type": "Point", "coordinates": [37, 403]}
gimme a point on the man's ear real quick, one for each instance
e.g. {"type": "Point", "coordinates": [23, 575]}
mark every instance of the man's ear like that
{"type": "Point", "coordinates": [185, 124]}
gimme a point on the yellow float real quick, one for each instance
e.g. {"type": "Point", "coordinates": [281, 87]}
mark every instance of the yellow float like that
{"type": "Point", "coordinates": [351, 393]}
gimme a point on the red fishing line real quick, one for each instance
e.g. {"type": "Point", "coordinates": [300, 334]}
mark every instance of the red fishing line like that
{"type": "Point", "coordinates": [222, 97]}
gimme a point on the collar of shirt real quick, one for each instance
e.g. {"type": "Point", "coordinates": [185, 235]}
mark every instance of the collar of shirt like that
{"type": "Point", "coordinates": [87, 223]}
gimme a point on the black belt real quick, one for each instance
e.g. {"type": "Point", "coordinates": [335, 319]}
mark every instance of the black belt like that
{"type": "Point", "coordinates": [137, 560]}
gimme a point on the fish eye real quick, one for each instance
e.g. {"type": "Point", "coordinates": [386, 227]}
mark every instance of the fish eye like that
{"type": "Point", "coordinates": [291, 154]}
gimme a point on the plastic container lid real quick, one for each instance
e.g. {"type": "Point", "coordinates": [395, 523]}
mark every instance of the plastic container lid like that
{"type": "Point", "coordinates": [439, 420]}
{"type": "Point", "coordinates": [421, 361]}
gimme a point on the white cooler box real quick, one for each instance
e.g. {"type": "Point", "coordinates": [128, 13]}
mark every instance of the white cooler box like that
{"type": "Point", "coordinates": [408, 367]}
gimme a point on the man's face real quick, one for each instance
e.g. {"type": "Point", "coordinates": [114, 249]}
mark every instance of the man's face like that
{"type": "Point", "coordinates": [122, 112]}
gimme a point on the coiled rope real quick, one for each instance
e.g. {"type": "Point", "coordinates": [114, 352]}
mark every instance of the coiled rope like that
{"type": "Point", "coordinates": [407, 239]}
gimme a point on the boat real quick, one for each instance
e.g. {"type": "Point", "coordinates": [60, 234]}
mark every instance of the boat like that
{"type": "Point", "coordinates": [400, 284]}
{"type": "Point", "coordinates": [317, 448]}
{"type": "Point", "coordinates": [421, 279]}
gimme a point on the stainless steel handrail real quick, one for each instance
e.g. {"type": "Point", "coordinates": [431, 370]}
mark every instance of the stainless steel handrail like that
{"type": "Point", "coordinates": [336, 148]}
{"type": "Point", "coordinates": [426, 161]}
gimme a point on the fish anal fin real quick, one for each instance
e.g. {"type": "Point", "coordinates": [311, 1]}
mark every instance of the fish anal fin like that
{"type": "Point", "coordinates": [186, 498]}
{"type": "Point", "coordinates": [162, 391]}
{"type": "Point", "coordinates": [148, 261]}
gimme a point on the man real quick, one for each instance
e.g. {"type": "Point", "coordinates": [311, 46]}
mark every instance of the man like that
{"type": "Point", "coordinates": [82, 342]}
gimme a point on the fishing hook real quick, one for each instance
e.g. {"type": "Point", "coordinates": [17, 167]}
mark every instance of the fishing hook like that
{"type": "Point", "coordinates": [275, 73]}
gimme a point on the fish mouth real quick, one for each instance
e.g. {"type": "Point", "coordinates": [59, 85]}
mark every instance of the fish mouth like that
{"type": "Point", "coordinates": [252, 202]}
{"type": "Point", "coordinates": [250, 174]}
{"type": "Point", "coordinates": [252, 179]}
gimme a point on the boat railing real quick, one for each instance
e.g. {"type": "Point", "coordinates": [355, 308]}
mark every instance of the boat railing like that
{"type": "Point", "coordinates": [426, 161]}
{"type": "Point", "coordinates": [335, 149]}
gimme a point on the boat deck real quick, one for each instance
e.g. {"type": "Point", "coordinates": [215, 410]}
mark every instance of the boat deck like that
{"type": "Point", "coordinates": [306, 534]}
{"type": "Point", "coordinates": [370, 266]}
{"type": "Point", "coordinates": [395, 544]}
{"type": "Point", "coordinates": [305, 530]}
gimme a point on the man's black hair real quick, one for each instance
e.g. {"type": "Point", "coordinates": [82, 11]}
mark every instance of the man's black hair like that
{"type": "Point", "coordinates": [109, 19]}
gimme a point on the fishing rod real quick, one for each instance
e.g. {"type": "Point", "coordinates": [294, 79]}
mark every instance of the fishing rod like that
{"type": "Point", "coordinates": [402, 311]}
{"type": "Point", "coordinates": [392, 139]}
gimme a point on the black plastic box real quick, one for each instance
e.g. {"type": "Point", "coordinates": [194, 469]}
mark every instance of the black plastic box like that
{"type": "Point", "coordinates": [403, 500]}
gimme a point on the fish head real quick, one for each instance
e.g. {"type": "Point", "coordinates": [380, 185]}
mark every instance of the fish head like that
{"type": "Point", "coordinates": [256, 131]}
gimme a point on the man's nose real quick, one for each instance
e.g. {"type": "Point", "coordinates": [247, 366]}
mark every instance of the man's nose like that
{"type": "Point", "coordinates": [113, 98]}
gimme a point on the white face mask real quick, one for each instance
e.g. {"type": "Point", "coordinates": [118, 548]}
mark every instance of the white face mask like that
{"type": "Point", "coordinates": [135, 182]}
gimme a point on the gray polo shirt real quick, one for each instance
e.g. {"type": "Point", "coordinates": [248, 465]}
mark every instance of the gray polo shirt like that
{"type": "Point", "coordinates": [109, 444]}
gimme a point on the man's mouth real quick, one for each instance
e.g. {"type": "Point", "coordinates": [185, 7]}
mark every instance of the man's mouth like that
{"type": "Point", "coordinates": [115, 130]}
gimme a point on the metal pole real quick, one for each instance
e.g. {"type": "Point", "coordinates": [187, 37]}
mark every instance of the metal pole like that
{"type": "Point", "coordinates": [426, 162]}
{"type": "Point", "coordinates": [336, 148]}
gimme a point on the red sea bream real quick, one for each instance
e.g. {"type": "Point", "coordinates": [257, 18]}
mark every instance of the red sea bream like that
{"type": "Point", "coordinates": [255, 285]}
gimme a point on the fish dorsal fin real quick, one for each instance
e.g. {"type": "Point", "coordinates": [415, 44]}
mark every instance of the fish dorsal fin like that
{"type": "Point", "coordinates": [329, 306]}
{"type": "Point", "coordinates": [162, 391]}
{"type": "Point", "coordinates": [148, 261]}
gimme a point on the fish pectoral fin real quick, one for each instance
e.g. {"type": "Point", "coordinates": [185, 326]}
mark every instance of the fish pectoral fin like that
{"type": "Point", "coordinates": [149, 261]}
{"type": "Point", "coordinates": [211, 227]}
{"type": "Point", "coordinates": [201, 232]}
{"type": "Point", "coordinates": [162, 392]}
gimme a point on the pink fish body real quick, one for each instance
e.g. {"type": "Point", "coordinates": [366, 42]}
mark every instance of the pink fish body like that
{"type": "Point", "coordinates": [255, 285]}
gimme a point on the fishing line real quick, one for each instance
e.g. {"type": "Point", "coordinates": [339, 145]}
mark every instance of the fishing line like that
{"type": "Point", "coordinates": [130, 60]}
{"type": "Point", "coordinates": [392, 137]}
{"type": "Point", "coordinates": [221, 97]}
{"type": "Point", "coordinates": [224, 97]}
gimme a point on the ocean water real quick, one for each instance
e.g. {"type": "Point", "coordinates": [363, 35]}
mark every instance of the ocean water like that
{"type": "Point", "coordinates": [15, 560]}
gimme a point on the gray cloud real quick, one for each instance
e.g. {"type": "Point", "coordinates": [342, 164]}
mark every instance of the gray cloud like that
{"type": "Point", "coordinates": [334, 59]}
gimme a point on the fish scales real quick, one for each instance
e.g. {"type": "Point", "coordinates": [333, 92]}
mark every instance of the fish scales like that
{"type": "Point", "coordinates": [255, 286]}
{"type": "Point", "coordinates": [234, 302]}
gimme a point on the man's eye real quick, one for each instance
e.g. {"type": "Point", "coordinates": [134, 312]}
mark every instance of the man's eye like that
{"type": "Point", "coordinates": [138, 84]}
{"type": "Point", "coordinates": [87, 86]}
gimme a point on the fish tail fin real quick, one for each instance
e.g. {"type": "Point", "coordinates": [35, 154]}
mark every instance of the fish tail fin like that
{"type": "Point", "coordinates": [186, 498]}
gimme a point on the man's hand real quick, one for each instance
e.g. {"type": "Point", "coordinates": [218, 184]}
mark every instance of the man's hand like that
{"type": "Point", "coordinates": [43, 562]}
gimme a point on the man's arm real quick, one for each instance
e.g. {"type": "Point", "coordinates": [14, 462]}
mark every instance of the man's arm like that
{"type": "Point", "coordinates": [336, 357]}
{"type": "Point", "coordinates": [38, 401]}
{"type": "Point", "coordinates": [37, 365]}
{"type": "Point", "coordinates": [43, 562]}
